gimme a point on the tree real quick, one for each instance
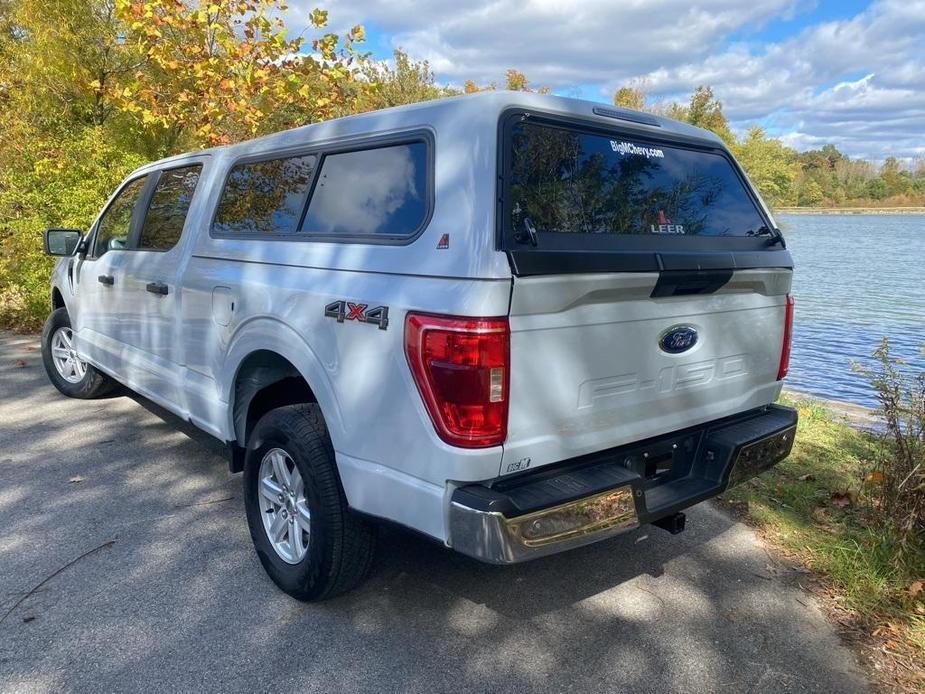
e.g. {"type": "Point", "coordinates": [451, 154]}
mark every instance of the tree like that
{"type": "Point", "coordinates": [770, 165]}
{"type": "Point", "coordinates": [893, 177]}
{"type": "Point", "coordinates": [514, 80]}
{"type": "Point", "coordinates": [705, 111]}
{"type": "Point", "coordinates": [214, 73]}
{"type": "Point", "coordinates": [809, 192]}
{"type": "Point", "coordinates": [407, 82]}
{"type": "Point", "coordinates": [67, 57]}
{"type": "Point", "coordinates": [630, 97]}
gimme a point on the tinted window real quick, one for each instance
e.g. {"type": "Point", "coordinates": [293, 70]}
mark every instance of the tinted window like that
{"type": "Point", "coordinates": [372, 191]}
{"type": "Point", "coordinates": [115, 224]}
{"type": "Point", "coordinates": [167, 211]}
{"type": "Point", "coordinates": [265, 197]}
{"type": "Point", "coordinates": [574, 182]}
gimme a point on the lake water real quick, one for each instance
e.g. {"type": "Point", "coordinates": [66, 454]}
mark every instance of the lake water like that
{"type": "Point", "coordinates": [858, 278]}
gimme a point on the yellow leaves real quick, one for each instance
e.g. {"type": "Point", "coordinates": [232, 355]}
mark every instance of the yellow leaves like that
{"type": "Point", "coordinates": [219, 70]}
{"type": "Point", "coordinates": [875, 477]}
{"type": "Point", "coordinates": [318, 18]}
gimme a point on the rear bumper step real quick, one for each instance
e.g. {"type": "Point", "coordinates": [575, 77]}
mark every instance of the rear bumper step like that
{"type": "Point", "coordinates": [594, 497]}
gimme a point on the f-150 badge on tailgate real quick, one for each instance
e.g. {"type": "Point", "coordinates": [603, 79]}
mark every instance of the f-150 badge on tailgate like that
{"type": "Point", "coordinates": [346, 310]}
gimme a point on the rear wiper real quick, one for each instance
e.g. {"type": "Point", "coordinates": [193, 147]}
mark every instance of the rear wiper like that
{"type": "Point", "coordinates": [776, 235]}
{"type": "Point", "coordinates": [528, 235]}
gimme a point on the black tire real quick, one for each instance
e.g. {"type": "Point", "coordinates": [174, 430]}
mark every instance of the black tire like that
{"type": "Point", "coordinates": [341, 544]}
{"type": "Point", "coordinates": [94, 383]}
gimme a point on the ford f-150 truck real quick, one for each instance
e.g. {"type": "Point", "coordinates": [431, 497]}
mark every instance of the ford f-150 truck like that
{"type": "Point", "coordinates": [514, 323]}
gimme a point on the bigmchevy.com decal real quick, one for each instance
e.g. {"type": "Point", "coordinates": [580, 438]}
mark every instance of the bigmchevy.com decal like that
{"type": "Point", "coordinates": [622, 147]}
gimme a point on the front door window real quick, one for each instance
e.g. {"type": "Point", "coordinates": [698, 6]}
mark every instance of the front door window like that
{"type": "Point", "coordinates": [114, 226]}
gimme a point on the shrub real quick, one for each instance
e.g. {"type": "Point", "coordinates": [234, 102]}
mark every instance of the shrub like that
{"type": "Point", "coordinates": [897, 481]}
{"type": "Point", "coordinates": [59, 181]}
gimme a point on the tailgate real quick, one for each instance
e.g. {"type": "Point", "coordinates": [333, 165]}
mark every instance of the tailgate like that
{"type": "Point", "coordinates": [597, 361]}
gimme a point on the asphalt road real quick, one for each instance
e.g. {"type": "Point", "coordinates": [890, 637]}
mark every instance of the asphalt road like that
{"type": "Point", "coordinates": [178, 601]}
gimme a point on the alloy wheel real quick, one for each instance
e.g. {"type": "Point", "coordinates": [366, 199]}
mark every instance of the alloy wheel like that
{"type": "Point", "coordinates": [68, 365]}
{"type": "Point", "coordinates": [285, 513]}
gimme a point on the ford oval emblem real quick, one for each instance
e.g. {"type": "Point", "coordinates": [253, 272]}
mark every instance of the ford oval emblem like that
{"type": "Point", "coordinates": [678, 339]}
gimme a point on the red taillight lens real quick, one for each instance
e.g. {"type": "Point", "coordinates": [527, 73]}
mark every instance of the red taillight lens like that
{"type": "Point", "coordinates": [461, 367]}
{"type": "Point", "coordinates": [788, 338]}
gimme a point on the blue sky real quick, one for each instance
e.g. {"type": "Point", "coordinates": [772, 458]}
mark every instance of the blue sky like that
{"type": "Point", "coordinates": [851, 73]}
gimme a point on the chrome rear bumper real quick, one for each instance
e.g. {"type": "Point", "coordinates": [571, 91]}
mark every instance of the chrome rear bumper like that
{"type": "Point", "coordinates": [494, 538]}
{"type": "Point", "coordinates": [574, 503]}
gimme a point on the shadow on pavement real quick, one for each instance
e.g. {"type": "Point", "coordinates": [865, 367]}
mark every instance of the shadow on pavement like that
{"type": "Point", "coordinates": [179, 601]}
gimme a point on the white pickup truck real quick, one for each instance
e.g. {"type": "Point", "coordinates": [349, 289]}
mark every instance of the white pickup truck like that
{"type": "Point", "coordinates": [514, 323]}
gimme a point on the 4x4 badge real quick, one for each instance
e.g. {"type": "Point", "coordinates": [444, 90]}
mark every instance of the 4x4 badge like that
{"type": "Point", "coordinates": [346, 310]}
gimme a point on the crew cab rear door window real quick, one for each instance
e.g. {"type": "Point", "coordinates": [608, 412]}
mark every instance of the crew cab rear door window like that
{"type": "Point", "coordinates": [167, 210]}
{"type": "Point", "coordinates": [568, 181]}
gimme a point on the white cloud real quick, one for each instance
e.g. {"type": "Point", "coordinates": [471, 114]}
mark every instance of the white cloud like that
{"type": "Point", "coordinates": [857, 82]}
{"type": "Point", "coordinates": [556, 42]}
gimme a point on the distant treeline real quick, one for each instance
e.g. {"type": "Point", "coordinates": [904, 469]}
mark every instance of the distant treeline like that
{"type": "Point", "coordinates": [90, 89]}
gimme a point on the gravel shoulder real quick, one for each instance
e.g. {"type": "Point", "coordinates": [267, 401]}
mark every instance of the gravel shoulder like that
{"type": "Point", "coordinates": [178, 601]}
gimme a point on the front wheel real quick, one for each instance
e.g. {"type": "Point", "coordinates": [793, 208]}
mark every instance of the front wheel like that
{"type": "Point", "coordinates": [308, 541]}
{"type": "Point", "coordinates": [69, 373]}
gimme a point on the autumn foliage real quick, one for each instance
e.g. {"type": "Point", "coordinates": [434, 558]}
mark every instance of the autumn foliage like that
{"type": "Point", "coordinates": [219, 71]}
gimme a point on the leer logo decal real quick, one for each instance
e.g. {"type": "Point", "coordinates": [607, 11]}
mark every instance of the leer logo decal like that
{"type": "Point", "coordinates": [347, 310]}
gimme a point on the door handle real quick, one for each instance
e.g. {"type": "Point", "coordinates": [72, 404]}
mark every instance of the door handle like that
{"type": "Point", "coordinates": [108, 280]}
{"type": "Point", "coordinates": [157, 288]}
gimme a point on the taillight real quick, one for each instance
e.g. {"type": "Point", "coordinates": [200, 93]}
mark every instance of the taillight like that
{"type": "Point", "coordinates": [461, 367]}
{"type": "Point", "coordinates": [788, 338]}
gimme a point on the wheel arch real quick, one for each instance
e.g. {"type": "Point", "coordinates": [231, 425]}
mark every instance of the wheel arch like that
{"type": "Point", "coordinates": [270, 365]}
{"type": "Point", "coordinates": [57, 299]}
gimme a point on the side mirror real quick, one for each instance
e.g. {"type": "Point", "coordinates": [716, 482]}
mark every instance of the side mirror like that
{"type": "Point", "coordinates": [62, 242]}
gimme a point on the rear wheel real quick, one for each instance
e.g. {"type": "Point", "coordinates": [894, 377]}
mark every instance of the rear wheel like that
{"type": "Point", "coordinates": [67, 371]}
{"type": "Point", "coordinates": [308, 541]}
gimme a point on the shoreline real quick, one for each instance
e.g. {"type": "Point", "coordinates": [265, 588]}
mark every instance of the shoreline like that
{"type": "Point", "coordinates": [850, 210]}
{"type": "Point", "coordinates": [856, 415]}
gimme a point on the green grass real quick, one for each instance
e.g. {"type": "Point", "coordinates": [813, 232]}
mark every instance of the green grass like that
{"type": "Point", "coordinates": [814, 506]}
